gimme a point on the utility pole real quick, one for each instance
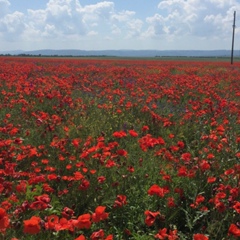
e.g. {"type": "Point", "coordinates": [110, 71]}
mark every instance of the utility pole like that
{"type": "Point", "coordinates": [234, 18]}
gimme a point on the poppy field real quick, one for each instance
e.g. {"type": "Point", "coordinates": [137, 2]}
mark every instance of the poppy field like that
{"type": "Point", "coordinates": [104, 149]}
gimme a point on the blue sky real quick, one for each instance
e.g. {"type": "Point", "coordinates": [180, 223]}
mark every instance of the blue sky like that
{"type": "Point", "coordinates": [118, 24]}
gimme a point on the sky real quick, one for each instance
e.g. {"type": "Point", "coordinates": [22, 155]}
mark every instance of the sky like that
{"type": "Point", "coordinates": [118, 24]}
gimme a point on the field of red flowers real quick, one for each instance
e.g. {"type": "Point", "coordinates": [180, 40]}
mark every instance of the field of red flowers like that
{"type": "Point", "coordinates": [119, 149]}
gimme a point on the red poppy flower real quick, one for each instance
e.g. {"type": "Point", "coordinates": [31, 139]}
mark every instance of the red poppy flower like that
{"type": "Point", "coordinates": [150, 217]}
{"type": "Point", "coordinates": [39, 205]}
{"type": "Point", "coordinates": [186, 157]}
{"type": "Point", "coordinates": [67, 212]}
{"type": "Point", "coordinates": [52, 221]}
{"type": "Point", "coordinates": [99, 214]}
{"type": "Point", "coordinates": [75, 142]}
{"type": "Point", "coordinates": [199, 199]}
{"type": "Point", "coordinates": [119, 134]}
{"type": "Point", "coordinates": [83, 221]}
{"type": "Point", "coordinates": [145, 128]}
{"type": "Point", "coordinates": [120, 201]}
{"type": "Point", "coordinates": [220, 129]}
{"type": "Point", "coordinates": [122, 152]}
{"type": "Point", "coordinates": [170, 202]}
{"type": "Point", "coordinates": [4, 220]}
{"type": "Point", "coordinates": [32, 225]}
{"type": "Point", "coordinates": [81, 237]}
{"type": "Point", "coordinates": [236, 207]}
{"type": "Point", "coordinates": [199, 236]}
{"type": "Point", "coordinates": [156, 190]}
{"type": "Point", "coordinates": [234, 230]}
{"type": "Point", "coordinates": [64, 224]}
{"type": "Point", "coordinates": [229, 171]}
{"type": "Point", "coordinates": [84, 185]}
{"type": "Point", "coordinates": [211, 179]}
{"type": "Point", "coordinates": [97, 235]}
{"type": "Point", "coordinates": [109, 237]}
{"type": "Point", "coordinates": [204, 165]}
{"type": "Point", "coordinates": [182, 171]}
{"type": "Point", "coordinates": [101, 179]}
{"type": "Point", "coordinates": [133, 133]}
{"type": "Point", "coordinates": [162, 234]}
{"type": "Point", "coordinates": [180, 144]}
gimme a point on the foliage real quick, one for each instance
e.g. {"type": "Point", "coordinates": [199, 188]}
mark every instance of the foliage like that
{"type": "Point", "coordinates": [119, 149]}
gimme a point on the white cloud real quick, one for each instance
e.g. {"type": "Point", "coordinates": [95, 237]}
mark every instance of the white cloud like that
{"type": "Point", "coordinates": [66, 18]}
{"type": "Point", "coordinates": [101, 9]}
{"type": "Point", "coordinates": [134, 28]}
{"type": "Point", "coordinates": [92, 33]}
{"type": "Point", "coordinates": [125, 21]}
{"type": "Point", "coordinates": [202, 18]}
{"type": "Point", "coordinates": [123, 16]}
{"type": "Point", "coordinates": [68, 23]}
{"type": "Point", "coordinates": [12, 25]}
{"type": "Point", "coordinates": [4, 5]}
{"type": "Point", "coordinates": [116, 30]}
{"type": "Point", "coordinates": [222, 3]}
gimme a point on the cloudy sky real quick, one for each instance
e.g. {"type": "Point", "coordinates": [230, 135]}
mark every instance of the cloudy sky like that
{"type": "Point", "coordinates": [118, 24]}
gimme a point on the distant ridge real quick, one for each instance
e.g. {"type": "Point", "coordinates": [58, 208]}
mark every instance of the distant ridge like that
{"type": "Point", "coordinates": [125, 53]}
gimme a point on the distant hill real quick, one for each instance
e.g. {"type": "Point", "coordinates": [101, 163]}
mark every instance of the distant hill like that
{"type": "Point", "coordinates": [125, 53]}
